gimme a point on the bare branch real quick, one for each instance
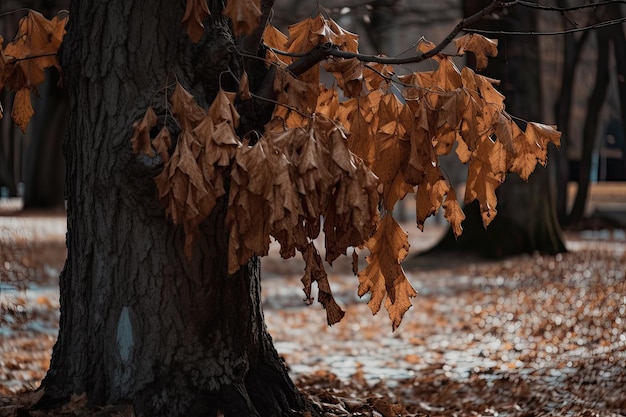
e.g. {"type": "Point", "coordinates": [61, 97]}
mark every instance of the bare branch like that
{"type": "Point", "coordinates": [321, 52]}
{"type": "Point", "coordinates": [571, 8]}
{"type": "Point", "coordinates": [561, 32]}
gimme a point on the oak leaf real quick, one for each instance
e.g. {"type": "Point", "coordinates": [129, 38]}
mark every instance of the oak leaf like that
{"type": "Point", "coordinates": [182, 189]}
{"type": "Point", "coordinates": [453, 212]}
{"type": "Point", "coordinates": [262, 201]}
{"type": "Point", "coordinates": [481, 46]}
{"type": "Point", "coordinates": [349, 75]}
{"type": "Point", "coordinates": [384, 276]}
{"type": "Point", "coordinates": [376, 74]}
{"type": "Point", "coordinates": [542, 135]}
{"type": "Point", "coordinates": [244, 14]}
{"type": "Point", "coordinates": [275, 39]}
{"type": "Point", "coordinates": [314, 271]}
{"type": "Point", "coordinates": [163, 143]}
{"type": "Point", "coordinates": [430, 194]}
{"type": "Point", "coordinates": [196, 11]}
{"type": "Point", "coordinates": [141, 138]}
{"type": "Point", "coordinates": [187, 112]}
{"type": "Point", "coordinates": [22, 108]}
{"type": "Point", "coordinates": [483, 180]}
{"type": "Point", "coordinates": [299, 98]}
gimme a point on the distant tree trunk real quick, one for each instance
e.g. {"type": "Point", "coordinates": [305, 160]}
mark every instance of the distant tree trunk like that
{"type": "Point", "coordinates": [590, 128]}
{"type": "Point", "coordinates": [43, 165]}
{"type": "Point", "coordinates": [139, 323]}
{"type": "Point", "coordinates": [526, 219]}
{"type": "Point", "coordinates": [563, 107]}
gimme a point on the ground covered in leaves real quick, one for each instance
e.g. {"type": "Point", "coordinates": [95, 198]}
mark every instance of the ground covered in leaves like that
{"type": "Point", "coordinates": [531, 335]}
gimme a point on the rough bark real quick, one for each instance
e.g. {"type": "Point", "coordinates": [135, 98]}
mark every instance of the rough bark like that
{"type": "Point", "coordinates": [139, 323]}
{"type": "Point", "coordinates": [526, 219]}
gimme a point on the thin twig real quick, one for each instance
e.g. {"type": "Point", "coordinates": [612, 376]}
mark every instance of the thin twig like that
{"type": "Point", "coordinates": [571, 8]}
{"type": "Point", "coordinates": [561, 32]}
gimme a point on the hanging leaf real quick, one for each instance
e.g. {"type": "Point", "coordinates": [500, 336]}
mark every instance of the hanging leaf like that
{"type": "Point", "coordinates": [244, 14]}
{"type": "Point", "coordinates": [22, 108]}
{"type": "Point", "coordinates": [384, 277]}
{"type": "Point", "coordinates": [481, 46]}
{"type": "Point", "coordinates": [141, 138]}
{"type": "Point", "coordinates": [196, 11]}
{"type": "Point", "coordinates": [314, 271]}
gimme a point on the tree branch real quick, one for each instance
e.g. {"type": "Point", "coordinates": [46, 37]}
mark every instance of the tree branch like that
{"type": "Point", "coordinates": [571, 8]}
{"type": "Point", "coordinates": [321, 52]}
{"type": "Point", "coordinates": [561, 32]}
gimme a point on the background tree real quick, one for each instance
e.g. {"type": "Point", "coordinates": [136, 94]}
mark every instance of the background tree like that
{"type": "Point", "coordinates": [607, 38]}
{"type": "Point", "coordinates": [526, 219]}
{"type": "Point", "coordinates": [166, 313]}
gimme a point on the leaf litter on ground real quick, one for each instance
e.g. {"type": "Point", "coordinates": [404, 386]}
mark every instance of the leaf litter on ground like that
{"type": "Point", "coordinates": [530, 335]}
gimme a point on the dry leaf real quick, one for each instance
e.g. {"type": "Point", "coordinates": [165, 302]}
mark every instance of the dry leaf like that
{"type": "Point", "coordinates": [275, 39]}
{"type": "Point", "coordinates": [481, 47]}
{"type": "Point", "coordinates": [22, 108]}
{"type": "Point", "coordinates": [185, 109]}
{"type": "Point", "coordinates": [453, 212]}
{"type": "Point", "coordinates": [195, 13]}
{"type": "Point", "coordinates": [384, 276]}
{"type": "Point", "coordinates": [244, 87]}
{"type": "Point", "coordinates": [314, 271]}
{"type": "Point", "coordinates": [141, 139]}
{"type": "Point", "coordinates": [244, 14]}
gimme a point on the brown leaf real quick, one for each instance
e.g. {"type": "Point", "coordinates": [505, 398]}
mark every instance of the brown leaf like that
{"type": "Point", "coordinates": [141, 138]}
{"type": "Point", "coordinates": [37, 39]}
{"type": "Point", "coordinates": [430, 194]}
{"type": "Point", "coordinates": [358, 115]}
{"type": "Point", "coordinates": [375, 74]}
{"type": "Point", "coordinates": [482, 181]}
{"type": "Point", "coordinates": [479, 45]}
{"type": "Point", "coordinates": [244, 87]}
{"type": "Point", "coordinates": [349, 75]}
{"type": "Point", "coordinates": [187, 112]}
{"type": "Point", "coordinates": [163, 143]}
{"type": "Point", "coordinates": [22, 109]}
{"type": "Point", "coordinates": [182, 189]}
{"type": "Point", "coordinates": [275, 39]}
{"type": "Point", "coordinates": [314, 271]}
{"type": "Point", "coordinates": [244, 14]}
{"type": "Point", "coordinates": [296, 94]}
{"type": "Point", "coordinates": [453, 212]}
{"type": "Point", "coordinates": [195, 13]}
{"type": "Point", "coordinates": [262, 201]}
{"type": "Point", "coordinates": [542, 135]}
{"type": "Point", "coordinates": [384, 276]}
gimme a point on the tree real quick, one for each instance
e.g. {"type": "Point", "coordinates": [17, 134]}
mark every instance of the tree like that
{"type": "Point", "coordinates": [235, 141]}
{"type": "Point", "coordinates": [526, 220]}
{"type": "Point", "coordinates": [605, 36]}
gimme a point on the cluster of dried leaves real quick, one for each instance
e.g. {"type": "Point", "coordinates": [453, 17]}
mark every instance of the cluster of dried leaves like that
{"type": "Point", "coordinates": [337, 153]}
{"type": "Point", "coordinates": [23, 60]}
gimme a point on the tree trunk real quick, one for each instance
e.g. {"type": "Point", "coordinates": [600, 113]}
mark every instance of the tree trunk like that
{"type": "Point", "coordinates": [139, 323]}
{"type": "Point", "coordinates": [572, 47]}
{"type": "Point", "coordinates": [590, 128]}
{"type": "Point", "coordinates": [43, 170]}
{"type": "Point", "coordinates": [526, 219]}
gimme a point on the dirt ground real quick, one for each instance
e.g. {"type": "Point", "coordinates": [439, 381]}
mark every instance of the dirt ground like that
{"type": "Point", "coordinates": [528, 336]}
